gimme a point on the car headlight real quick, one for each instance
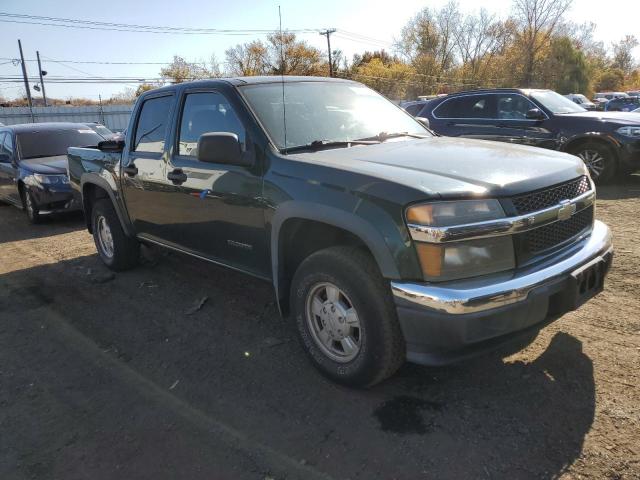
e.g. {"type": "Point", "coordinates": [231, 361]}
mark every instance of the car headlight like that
{"type": "Point", "coordinates": [461, 259]}
{"type": "Point", "coordinates": [629, 131]}
{"type": "Point", "coordinates": [51, 179]}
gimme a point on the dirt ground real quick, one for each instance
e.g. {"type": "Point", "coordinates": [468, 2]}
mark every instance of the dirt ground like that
{"type": "Point", "coordinates": [122, 377]}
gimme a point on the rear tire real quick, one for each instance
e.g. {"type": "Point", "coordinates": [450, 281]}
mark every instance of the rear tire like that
{"type": "Point", "coordinates": [117, 250]}
{"type": "Point", "coordinates": [346, 317]}
{"type": "Point", "coordinates": [599, 159]}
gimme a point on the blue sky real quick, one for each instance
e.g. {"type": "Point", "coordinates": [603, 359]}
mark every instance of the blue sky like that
{"type": "Point", "coordinates": [378, 19]}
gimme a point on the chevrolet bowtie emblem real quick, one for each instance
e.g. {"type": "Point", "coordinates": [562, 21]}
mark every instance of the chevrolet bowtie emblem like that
{"type": "Point", "coordinates": [566, 210]}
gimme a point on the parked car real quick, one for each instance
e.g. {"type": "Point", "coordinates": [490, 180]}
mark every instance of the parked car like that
{"type": "Point", "coordinates": [33, 166]}
{"type": "Point", "coordinates": [634, 93]}
{"type": "Point", "coordinates": [581, 100]}
{"type": "Point", "coordinates": [609, 95]}
{"type": "Point", "coordinates": [622, 104]}
{"type": "Point", "coordinates": [607, 142]}
{"type": "Point", "coordinates": [101, 130]}
{"type": "Point", "coordinates": [413, 107]}
{"type": "Point", "coordinates": [383, 241]}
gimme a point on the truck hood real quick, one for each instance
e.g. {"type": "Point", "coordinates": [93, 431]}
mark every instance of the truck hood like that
{"type": "Point", "coordinates": [622, 118]}
{"type": "Point", "coordinates": [453, 167]}
{"type": "Point", "coordinates": [46, 165]}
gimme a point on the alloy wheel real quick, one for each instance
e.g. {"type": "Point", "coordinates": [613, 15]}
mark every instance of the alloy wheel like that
{"type": "Point", "coordinates": [333, 322]}
{"type": "Point", "coordinates": [594, 161]}
{"type": "Point", "coordinates": [105, 239]}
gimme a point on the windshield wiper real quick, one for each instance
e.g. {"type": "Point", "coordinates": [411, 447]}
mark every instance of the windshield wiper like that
{"type": "Point", "coordinates": [320, 144]}
{"type": "Point", "coordinates": [383, 136]}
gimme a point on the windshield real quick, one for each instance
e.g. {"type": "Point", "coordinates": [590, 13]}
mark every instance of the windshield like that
{"type": "Point", "coordinates": [325, 111]}
{"type": "Point", "coordinates": [49, 143]}
{"type": "Point", "coordinates": [555, 102]}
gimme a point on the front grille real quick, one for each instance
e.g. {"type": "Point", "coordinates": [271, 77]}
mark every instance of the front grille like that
{"type": "Point", "coordinates": [553, 235]}
{"type": "Point", "coordinates": [549, 197]}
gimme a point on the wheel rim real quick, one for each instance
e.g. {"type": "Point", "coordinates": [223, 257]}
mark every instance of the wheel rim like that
{"type": "Point", "coordinates": [594, 161]}
{"type": "Point", "coordinates": [105, 239]}
{"type": "Point", "coordinates": [333, 322]}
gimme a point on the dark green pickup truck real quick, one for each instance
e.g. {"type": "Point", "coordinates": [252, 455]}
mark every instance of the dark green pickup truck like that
{"type": "Point", "coordinates": [382, 240]}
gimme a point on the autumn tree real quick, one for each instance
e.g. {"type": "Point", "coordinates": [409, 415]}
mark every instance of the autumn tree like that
{"type": "Point", "coordinates": [248, 59]}
{"type": "Point", "coordinates": [281, 54]}
{"type": "Point", "coordinates": [393, 80]}
{"type": "Point", "coordinates": [179, 70]}
{"type": "Point", "coordinates": [144, 87]}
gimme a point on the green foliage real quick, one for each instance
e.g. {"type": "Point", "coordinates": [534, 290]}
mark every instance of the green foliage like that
{"type": "Point", "coordinates": [610, 80]}
{"type": "Point", "coordinates": [565, 68]}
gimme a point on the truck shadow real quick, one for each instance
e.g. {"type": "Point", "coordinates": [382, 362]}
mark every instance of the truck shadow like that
{"type": "Point", "coordinates": [624, 187]}
{"type": "Point", "coordinates": [237, 361]}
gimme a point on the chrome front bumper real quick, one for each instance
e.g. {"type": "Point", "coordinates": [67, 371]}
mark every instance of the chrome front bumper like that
{"type": "Point", "coordinates": [486, 293]}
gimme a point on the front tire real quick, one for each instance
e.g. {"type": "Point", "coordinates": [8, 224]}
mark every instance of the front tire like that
{"type": "Point", "coordinates": [116, 250]}
{"type": "Point", "coordinates": [599, 159]}
{"type": "Point", "coordinates": [346, 317]}
{"type": "Point", "coordinates": [33, 214]}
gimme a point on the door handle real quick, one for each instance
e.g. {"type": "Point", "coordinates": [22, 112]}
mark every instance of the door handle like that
{"type": "Point", "coordinates": [130, 170]}
{"type": "Point", "coordinates": [177, 176]}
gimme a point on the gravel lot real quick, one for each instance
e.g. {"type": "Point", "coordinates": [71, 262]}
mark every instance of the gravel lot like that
{"type": "Point", "coordinates": [121, 376]}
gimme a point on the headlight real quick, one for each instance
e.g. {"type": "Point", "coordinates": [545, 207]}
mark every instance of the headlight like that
{"type": "Point", "coordinates": [51, 179]}
{"type": "Point", "coordinates": [629, 131]}
{"type": "Point", "coordinates": [445, 214]}
{"type": "Point", "coordinates": [461, 259]}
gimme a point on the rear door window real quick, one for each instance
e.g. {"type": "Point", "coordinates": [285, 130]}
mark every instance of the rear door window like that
{"type": "Point", "coordinates": [152, 124]}
{"type": "Point", "coordinates": [466, 107]}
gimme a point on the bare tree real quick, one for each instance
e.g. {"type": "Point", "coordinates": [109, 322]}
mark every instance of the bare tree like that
{"type": "Point", "coordinates": [537, 21]}
{"type": "Point", "coordinates": [480, 38]}
{"type": "Point", "coordinates": [431, 34]}
{"type": "Point", "coordinates": [623, 53]}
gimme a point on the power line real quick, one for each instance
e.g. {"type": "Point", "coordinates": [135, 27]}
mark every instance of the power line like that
{"type": "Point", "coordinates": [125, 27]}
{"type": "Point", "coordinates": [92, 62]}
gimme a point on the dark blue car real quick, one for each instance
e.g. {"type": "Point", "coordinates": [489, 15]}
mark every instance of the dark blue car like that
{"type": "Point", "coordinates": [33, 166]}
{"type": "Point", "coordinates": [608, 142]}
{"type": "Point", "coordinates": [622, 104]}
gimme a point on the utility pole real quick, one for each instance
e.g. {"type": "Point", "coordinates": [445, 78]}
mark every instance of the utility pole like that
{"type": "Point", "coordinates": [26, 81]}
{"type": "Point", "coordinates": [44, 95]}
{"type": "Point", "coordinates": [328, 33]}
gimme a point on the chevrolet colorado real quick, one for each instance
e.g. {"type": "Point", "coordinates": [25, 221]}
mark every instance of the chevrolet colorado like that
{"type": "Point", "coordinates": [383, 241]}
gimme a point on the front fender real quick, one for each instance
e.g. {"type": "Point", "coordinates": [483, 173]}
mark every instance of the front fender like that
{"type": "Point", "coordinates": [568, 144]}
{"type": "Point", "coordinates": [380, 245]}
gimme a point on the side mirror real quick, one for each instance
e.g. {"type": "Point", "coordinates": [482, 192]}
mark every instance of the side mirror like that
{"type": "Point", "coordinates": [424, 121]}
{"type": "Point", "coordinates": [112, 145]}
{"type": "Point", "coordinates": [534, 114]}
{"type": "Point", "coordinates": [221, 147]}
{"type": "Point", "coordinates": [5, 158]}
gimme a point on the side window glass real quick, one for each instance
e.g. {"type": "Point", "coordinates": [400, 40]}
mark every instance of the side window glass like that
{"type": "Point", "coordinates": [7, 144]}
{"type": "Point", "coordinates": [2, 149]}
{"type": "Point", "coordinates": [204, 113]}
{"type": "Point", "coordinates": [513, 107]}
{"type": "Point", "coordinates": [152, 125]}
{"type": "Point", "coordinates": [470, 106]}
